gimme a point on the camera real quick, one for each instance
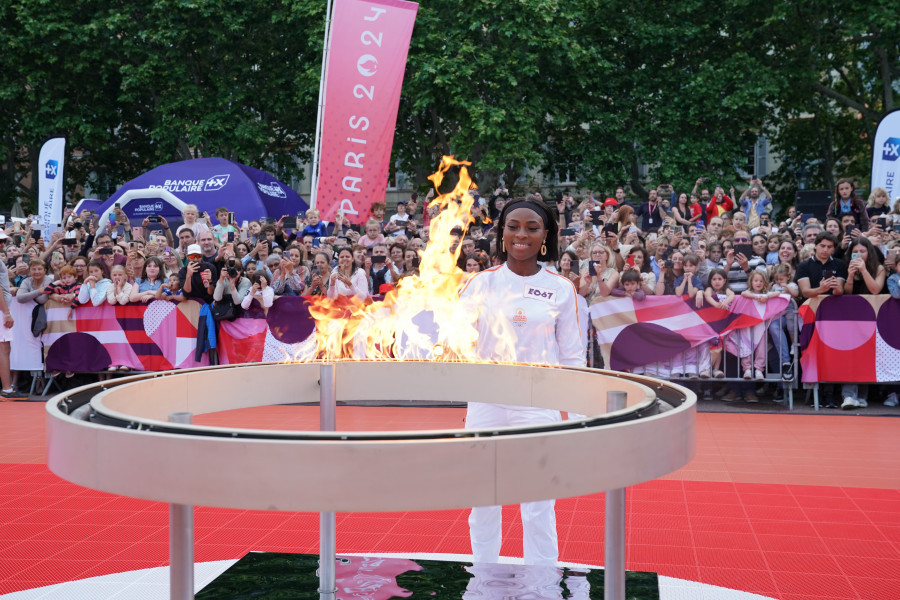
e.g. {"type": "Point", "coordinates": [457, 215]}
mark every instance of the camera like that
{"type": "Point", "coordinates": [230, 269]}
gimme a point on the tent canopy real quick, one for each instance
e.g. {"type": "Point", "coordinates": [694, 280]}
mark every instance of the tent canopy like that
{"type": "Point", "coordinates": [209, 183]}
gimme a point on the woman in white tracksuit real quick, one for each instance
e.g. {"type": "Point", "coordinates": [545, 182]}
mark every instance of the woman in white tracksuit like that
{"type": "Point", "coordinates": [527, 314]}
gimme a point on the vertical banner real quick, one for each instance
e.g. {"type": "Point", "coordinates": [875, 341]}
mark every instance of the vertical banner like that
{"type": "Point", "coordinates": [366, 61]}
{"type": "Point", "coordinates": [886, 156]}
{"type": "Point", "coordinates": [50, 185]}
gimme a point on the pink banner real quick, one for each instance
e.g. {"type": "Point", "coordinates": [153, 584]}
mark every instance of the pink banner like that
{"type": "Point", "coordinates": [366, 61]}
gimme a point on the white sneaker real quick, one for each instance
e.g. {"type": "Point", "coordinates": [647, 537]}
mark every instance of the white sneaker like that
{"type": "Point", "coordinates": [704, 374]}
{"type": "Point", "coordinates": [718, 374]}
{"type": "Point", "coordinates": [892, 400]}
{"type": "Point", "coordinates": [862, 403]}
{"type": "Point", "coordinates": [759, 374]}
{"type": "Point", "coordinates": [849, 403]}
{"type": "Point", "coordinates": [748, 374]}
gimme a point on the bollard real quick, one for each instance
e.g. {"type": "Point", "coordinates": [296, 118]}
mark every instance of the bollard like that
{"type": "Point", "coordinates": [614, 549]}
{"type": "Point", "coordinates": [181, 540]}
{"type": "Point", "coordinates": [327, 520]}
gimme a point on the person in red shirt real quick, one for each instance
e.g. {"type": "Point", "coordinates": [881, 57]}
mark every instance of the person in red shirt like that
{"type": "Point", "coordinates": [719, 204]}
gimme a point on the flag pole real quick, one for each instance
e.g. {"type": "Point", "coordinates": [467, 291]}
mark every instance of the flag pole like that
{"type": "Point", "coordinates": [326, 45]}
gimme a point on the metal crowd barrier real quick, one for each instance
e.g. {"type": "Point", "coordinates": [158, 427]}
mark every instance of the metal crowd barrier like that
{"type": "Point", "coordinates": [687, 366]}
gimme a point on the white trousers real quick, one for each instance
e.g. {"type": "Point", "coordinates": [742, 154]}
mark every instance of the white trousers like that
{"type": "Point", "coordinates": [540, 544]}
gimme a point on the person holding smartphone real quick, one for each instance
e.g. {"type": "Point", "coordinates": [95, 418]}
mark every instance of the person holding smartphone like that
{"type": "Point", "coordinates": [198, 276]}
{"type": "Point", "coordinates": [347, 279]}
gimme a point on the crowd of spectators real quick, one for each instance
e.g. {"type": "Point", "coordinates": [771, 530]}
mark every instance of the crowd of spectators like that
{"type": "Point", "coordinates": [706, 245]}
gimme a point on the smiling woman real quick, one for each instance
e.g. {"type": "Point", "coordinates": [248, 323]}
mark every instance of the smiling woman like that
{"type": "Point", "coordinates": [530, 313]}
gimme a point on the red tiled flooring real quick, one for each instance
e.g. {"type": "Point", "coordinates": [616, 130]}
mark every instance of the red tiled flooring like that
{"type": "Point", "coordinates": [788, 506]}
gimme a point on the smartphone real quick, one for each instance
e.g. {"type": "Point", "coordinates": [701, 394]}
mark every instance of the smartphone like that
{"type": "Point", "coordinates": [827, 274]}
{"type": "Point", "coordinates": [694, 242]}
{"type": "Point", "coordinates": [854, 256]}
{"type": "Point", "coordinates": [154, 219]}
{"type": "Point", "coordinates": [2, 219]}
{"type": "Point", "coordinates": [613, 227]}
{"type": "Point", "coordinates": [805, 217]}
{"type": "Point", "coordinates": [105, 251]}
{"type": "Point", "coordinates": [484, 245]}
{"type": "Point", "coordinates": [117, 205]}
{"type": "Point", "coordinates": [68, 241]}
{"type": "Point", "coordinates": [289, 222]}
{"type": "Point", "coordinates": [230, 237]}
{"type": "Point", "coordinates": [851, 231]}
{"type": "Point", "coordinates": [132, 246]}
{"type": "Point", "coordinates": [596, 215]}
{"type": "Point", "coordinates": [565, 232]}
{"type": "Point", "coordinates": [231, 218]}
{"type": "Point", "coordinates": [315, 242]}
{"type": "Point", "coordinates": [112, 218]}
{"type": "Point", "coordinates": [745, 249]}
{"type": "Point", "coordinates": [378, 260]}
{"type": "Point", "coordinates": [629, 260]}
{"type": "Point", "coordinates": [36, 234]}
{"type": "Point", "coordinates": [881, 222]}
{"type": "Point", "coordinates": [592, 268]}
{"type": "Point", "coordinates": [897, 228]}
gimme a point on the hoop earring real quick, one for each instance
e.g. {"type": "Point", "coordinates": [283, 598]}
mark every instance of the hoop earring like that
{"type": "Point", "coordinates": [544, 248]}
{"type": "Point", "coordinates": [504, 245]}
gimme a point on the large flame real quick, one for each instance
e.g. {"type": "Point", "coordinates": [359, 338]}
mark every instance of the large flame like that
{"type": "Point", "coordinates": [423, 318]}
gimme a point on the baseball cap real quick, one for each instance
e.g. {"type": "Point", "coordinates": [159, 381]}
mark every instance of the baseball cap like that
{"type": "Point", "coordinates": [193, 249]}
{"type": "Point", "coordinates": [610, 202]}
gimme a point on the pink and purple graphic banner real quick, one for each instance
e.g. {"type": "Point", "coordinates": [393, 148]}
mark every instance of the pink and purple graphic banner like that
{"type": "Point", "coordinates": [367, 58]}
{"type": "Point", "coordinates": [850, 338]}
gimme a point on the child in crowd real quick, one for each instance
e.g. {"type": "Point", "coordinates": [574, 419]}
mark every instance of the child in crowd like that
{"type": "Point", "coordinates": [772, 246]}
{"type": "Point", "coordinates": [630, 286]}
{"type": "Point", "coordinates": [261, 291]}
{"type": "Point", "coordinates": [688, 284]}
{"type": "Point", "coordinates": [783, 274]}
{"type": "Point", "coordinates": [696, 361]}
{"type": "Point", "coordinates": [314, 226]}
{"type": "Point", "coordinates": [750, 342]}
{"type": "Point", "coordinates": [718, 294]}
{"type": "Point", "coordinates": [224, 227]}
{"type": "Point", "coordinates": [119, 292]}
{"type": "Point", "coordinates": [95, 285]}
{"type": "Point", "coordinates": [172, 289]}
{"type": "Point", "coordinates": [373, 234]}
{"type": "Point", "coordinates": [66, 289]}
{"type": "Point", "coordinates": [376, 213]}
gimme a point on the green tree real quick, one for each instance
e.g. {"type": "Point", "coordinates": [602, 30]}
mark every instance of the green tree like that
{"type": "Point", "coordinates": [843, 61]}
{"type": "Point", "coordinates": [133, 85]}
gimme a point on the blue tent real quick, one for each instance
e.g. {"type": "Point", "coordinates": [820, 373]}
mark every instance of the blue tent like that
{"type": "Point", "coordinates": [209, 183]}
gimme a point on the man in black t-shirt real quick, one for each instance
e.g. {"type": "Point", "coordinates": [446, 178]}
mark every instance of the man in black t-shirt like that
{"type": "Point", "coordinates": [199, 276]}
{"type": "Point", "coordinates": [822, 273]}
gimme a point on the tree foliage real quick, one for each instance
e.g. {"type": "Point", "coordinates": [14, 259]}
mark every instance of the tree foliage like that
{"type": "Point", "coordinates": [611, 91]}
{"type": "Point", "coordinates": [843, 62]}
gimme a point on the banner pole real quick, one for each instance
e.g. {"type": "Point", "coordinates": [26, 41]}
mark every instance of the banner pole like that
{"type": "Point", "coordinates": [326, 45]}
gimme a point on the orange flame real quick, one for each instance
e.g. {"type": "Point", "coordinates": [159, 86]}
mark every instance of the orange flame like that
{"type": "Point", "coordinates": [423, 317]}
